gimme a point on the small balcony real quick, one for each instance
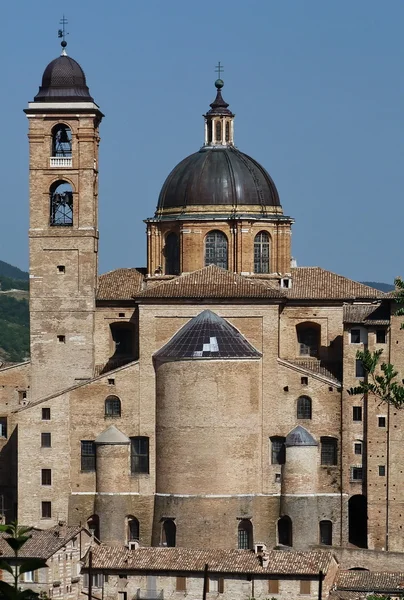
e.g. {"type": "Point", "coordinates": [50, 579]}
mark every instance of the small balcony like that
{"type": "Point", "coordinates": [149, 594]}
{"type": "Point", "coordinates": [61, 162]}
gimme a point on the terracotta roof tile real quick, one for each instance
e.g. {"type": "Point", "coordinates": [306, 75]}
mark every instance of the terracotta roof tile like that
{"type": "Point", "coordinates": [219, 561]}
{"type": "Point", "coordinates": [42, 544]}
{"type": "Point", "coordinates": [367, 314]}
{"type": "Point", "coordinates": [370, 581]}
{"type": "Point", "coordinates": [316, 283]}
{"type": "Point", "coordinates": [121, 284]}
{"type": "Point", "coordinates": [212, 282]}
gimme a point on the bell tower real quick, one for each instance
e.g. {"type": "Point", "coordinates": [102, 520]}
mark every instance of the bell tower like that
{"type": "Point", "coordinates": [63, 231]}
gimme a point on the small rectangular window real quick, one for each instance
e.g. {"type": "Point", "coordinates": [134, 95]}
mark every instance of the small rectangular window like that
{"type": "Point", "coordinates": [140, 454]}
{"type": "Point", "coordinates": [220, 585]}
{"type": "Point", "coordinates": [181, 585]}
{"type": "Point", "coordinates": [382, 470]}
{"type": "Point", "coordinates": [46, 510]}
{"type": "Point", "coordinates": [61, 269]}
{"type": "Point", "coordinates": [62, 339]}
{"type": "Point", "coordinates": [380, 336]}
{"type": "Point", "coordinates": [358, 447]}
{"type": "Point", "coordinates": [29, 577]}
{"type": "Point", "coordinates": [46, 414]}
{"type": "Point", "coordinates": [305, 587]}
{"type": "Point", "coordinates": [46, 440]}
{"type": "Point", "coordinates": [46, 477]}
{"type": "Point", "coordinates": [329, 451]}
{"type": "Point", "coordinates": [3, 427]}
{"type": "Point", "coordinates": [382, 421]}
{"type": "Point", "coordinates": [355, 336]}
{"type": "Point", "coordinates": [273, 586]}
{"type": "Point", "coordinates": [278, 478]}
{"type": "Point", "coordinates": [278, 451]}
{"type": "Point", "coordinates": [87, 455]}
{"type": "Point", "coordinates": [121, 315]}
{"type": "Point", "coordinates": [356, 473]}
{"type": "Point", "coordinates": [304, 380]}
{"type": "Point", "coordinates": [359, 370]}
{"type": "Point", "coordinates": [357, 413]}
{"type": "Point", "coordinates": [111, 381]}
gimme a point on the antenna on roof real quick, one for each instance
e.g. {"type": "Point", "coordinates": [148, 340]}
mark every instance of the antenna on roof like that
{"type": "Point", "coordinates": [62, 33]}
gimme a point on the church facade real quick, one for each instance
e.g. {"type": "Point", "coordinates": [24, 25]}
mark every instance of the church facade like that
{"type": "Point", "coordinates": [201, 401]}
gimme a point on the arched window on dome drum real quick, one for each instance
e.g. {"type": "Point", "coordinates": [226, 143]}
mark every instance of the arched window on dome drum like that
{"type": "Point", "coordinates": [227, 131]}
{"type": "Point", "coordinates": [61, 204]}
{"type": "Point", "coordinates": [133, 531]}
{"type": "Point", "coordinates": [304, 407]}
{"type": "Point", "coordinates": [216, 249]}
{"type": "Point", "coordinates": [61, 141]}
{"type": "Point", "coordinates": [245, 535]}
{"type": "Point", "coordinates": [209, 132]}
{"type": "Point", "coordinates": [172, 254]}
{"type": "Point", "coordinates": [112, 406]}
{"type": "Point", "coordinates": [218, 131]}
{"type": "Point", "coordinates": [261, 252]}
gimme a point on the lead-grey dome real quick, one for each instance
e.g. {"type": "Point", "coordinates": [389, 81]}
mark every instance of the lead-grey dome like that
{"type": "Point", "coordinates": [220, 175]}
{"type": "Point", "coordinates": [63, 81]}
{"type": "Point", "coordinates": [299, 436]}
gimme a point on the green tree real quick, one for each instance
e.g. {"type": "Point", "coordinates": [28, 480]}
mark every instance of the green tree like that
{"type": "Point", "coordinates": [17, 537]}
{"type": "Point", "coordinates": [399, 297]}
{"type": "Point", "coordinates": [377, 597]}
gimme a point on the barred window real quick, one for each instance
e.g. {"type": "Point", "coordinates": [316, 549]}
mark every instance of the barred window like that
{"type": "Point", "coordinates": [87, 455]}
{"type": "Point", "coordinates": [140, 454]}
{"type": "Point", "coordinates": [329, 451]}
{"type": "Point", "coordinates": [261, 252]}
{"type": "Point", "coordinates": [216, 249]}
{"type": "Point", "coordinates": [112, 406]}
{"type": "Point", "coordinates": [304, 407]}
{"type": "Point", "coordinates": [245, 534]}
{"type": "Point", "coordinates": [277, 450]}
{"type": "Point", "coordinates": [356, 473]}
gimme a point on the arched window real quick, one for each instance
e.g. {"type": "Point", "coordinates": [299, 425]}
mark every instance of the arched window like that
{"type": "Point", "coordinates": [285, 531]}
{"type": "Point", "coordinates": [123, 338]}
{"type": "Point", "coordinates": [133, 531]}
{"type": "Point", "coordinates": [261, 252]}
{"type": "Point", "coordinates": [216, 249]}
{"type": "Point", "coordinates": [172, 254]}
{"type": "Point", "coordinates": [326, 533]}
{"type": "Point", "coordinates": [209, 132]}
{"type": "Point", "coordinates": [218, 131]}
{"type": "Point", "coordinates": [227, 131]}
{"type": "Point", "coordinates": [168, 534]}
{"type": "Point", "coordinates": [245, 534]}
{"type": "Point", "coordinates": [308, 337]}
{"type": "Point", "coordinates": [61, 141]}
{"type": "Point", "coordinates": [61, 204]}
{"type": "Point", "coordinates": [304, 407]}
{"type": "Point", "coordinates": [112, 406]}
{"type": "Point", "coordinates": [93, 525]}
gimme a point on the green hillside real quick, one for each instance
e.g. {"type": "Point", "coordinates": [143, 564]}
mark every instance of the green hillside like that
{"type": "Point", "coordinates": [14, 315]}
{"type": "Point", "coordinates": [12, 272]}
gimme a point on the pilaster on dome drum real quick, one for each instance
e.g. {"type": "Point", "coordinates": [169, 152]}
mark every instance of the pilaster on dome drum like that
{"type": "Point", "coordinates": [207, 336]}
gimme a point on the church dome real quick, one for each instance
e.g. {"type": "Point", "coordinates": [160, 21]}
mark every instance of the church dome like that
{"type": "Point", "coordinates": [218, 175]}
{"type": "Point", "coordinates": [63, 81]}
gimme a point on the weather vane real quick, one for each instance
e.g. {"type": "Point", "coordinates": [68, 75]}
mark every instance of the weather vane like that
{"type": "Point", "coordinates": [219, 69]}
{"type": "Point", "coordinates": [62, 33]}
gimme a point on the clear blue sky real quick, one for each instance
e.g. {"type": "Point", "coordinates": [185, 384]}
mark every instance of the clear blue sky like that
{"type": "Point", "coordinates": [317, 88]}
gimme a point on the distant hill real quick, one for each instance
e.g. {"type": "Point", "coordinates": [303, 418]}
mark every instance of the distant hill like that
{"type": "Point", "coordinates": [383, 287]}
{"type": "Point", "coordinates": [14, 314]}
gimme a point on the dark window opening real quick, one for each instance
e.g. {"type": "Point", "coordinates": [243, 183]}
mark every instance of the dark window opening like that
{"type": "Point", "coordinates": [46, 477]}
{"type": "Point", "coordinates": [61, 269]}
{"type": "Point", "coordinates": [278, 452]}
{"type": "Point", "coordinates": [245, 535]}
{"type": "Point", "coordinates": [46, 510]}
{"type": "Point", "coordinates": [3, 427]}
{"type": "Point", "coordinates": [359, 369]}
{"type": "Point", "coordinates": [121, 314]}
{"type": "Point", "coordinates": [216, 249]}
{"type": "Point", "coordinates": [380, 336]}
{"type": "Point", "coordinates": [355, 336]}
{"type": "Point", "coordinates": [169, 533]}
{"type": "Point", "coordinates": [382, 470]}
{"type": "Point", "coordinates": [308, 337]}
{"type": "Point", "coordinates": [111, 381]}
{"type": "Point", "coordinates": [358, 447]}
{"type": "Point", "coordinates": [46, 414]}
{"type": "Point", "coordinates": [133, 529]}
{"type": "Point", "coordinates": [209, 124]}
{"type": "Point", "coordinates": [87, 455]}
{"type": "Point", "coordinates": [218, 131]}
{"type": "Point", "coordinates": [356, 473]}
{"type": "Point", "coordinates": [61, 204]}
{"type": "Point", "coordinates": [285, 531]}
{"type": "Point", "coordinates": [304, 380]}
{"type": "Point", "coordinates": [93, 525]}
{"type": "Point", "coordinates": [329, 451]}
{"type": "Point", "coordinates": [357, 413]}
{"type": "Point", "coordinates": [304, 407]}
{"type": "Point", "coordinates": [139, 455]}
{"type": "Point", "coordinates": [261, 252]}
{"type": "Point", "coordinates": [123, 337]}
{"type": "Point", "coordinates": [61, 141]}
{"type": "Point", "coordinates": [46, 440]}
{"type": "Point", "coordinates": [62, 339]}
{"type": "Point", "coordinates": [382, 421]}
{"type": "Point", "coordinates": [357, 520]}
{"type": "Point", "coordinates": [326, 533]}
{"type": "Point", "coordinates": [227, 131]}
{"type": "Point", "coordinates": [172, 254]}
{"type": "Point", "coordinates": [112, 406]}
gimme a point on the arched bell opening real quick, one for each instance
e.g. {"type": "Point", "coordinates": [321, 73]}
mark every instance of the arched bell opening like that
{"type": "Point", "coordinates": [61, 204]}
{"type": "Point", "coordinates": [61, 141]}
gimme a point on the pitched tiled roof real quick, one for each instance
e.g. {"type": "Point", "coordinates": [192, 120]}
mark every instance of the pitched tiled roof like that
{"type": "Point", "coordinates": [212, 282]}
{"type": "Point", "coordinates": [367, 314]}
{"type": "Point", "coordinates": [371, 581]}
{"type": "Point", "coordinates": [316, 283]}
{"type": "Point", "coordinates": [42, 543]}
{"type": "Point", "coordinates": [219, 561]}
{"type": "Point", "coordinates": [121, 284]}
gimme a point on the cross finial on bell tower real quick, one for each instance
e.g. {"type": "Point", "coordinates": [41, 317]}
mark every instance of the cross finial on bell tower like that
{"type": "Point", "coordinates": [219, 69]}
{"type": "Point", "coordinates": [62, 33]}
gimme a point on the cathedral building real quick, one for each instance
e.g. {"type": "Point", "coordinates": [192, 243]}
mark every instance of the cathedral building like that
{"type": "Point", "coordinates": [201, 401]}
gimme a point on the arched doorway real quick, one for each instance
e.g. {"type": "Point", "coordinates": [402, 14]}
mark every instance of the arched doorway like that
{"type": "Point", "coordinates": [358, 521]}
{"type": "Point", "coordinates": [285, 531]}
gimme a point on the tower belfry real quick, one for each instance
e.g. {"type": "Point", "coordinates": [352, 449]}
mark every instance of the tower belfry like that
{"type": "Point", "coordinates": [63, 139]}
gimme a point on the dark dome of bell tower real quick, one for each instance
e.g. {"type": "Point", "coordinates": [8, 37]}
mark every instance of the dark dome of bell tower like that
{"type": "Point", "coordinates": [63, 81]}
